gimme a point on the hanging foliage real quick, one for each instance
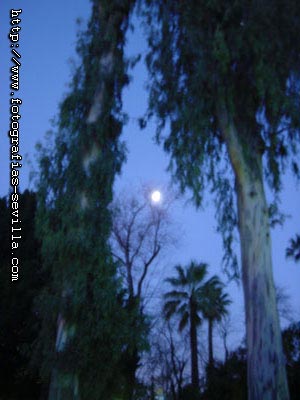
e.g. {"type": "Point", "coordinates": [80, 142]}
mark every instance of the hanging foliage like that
{"type": "Point", "coordinates": [77, 170]}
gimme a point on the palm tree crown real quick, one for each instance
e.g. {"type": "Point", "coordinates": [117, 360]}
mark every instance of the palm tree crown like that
{"type": "Point", "coordinates": [215, 301]}
{"type": "Point", "coordinates": [214, 307]}
{"type": "Point", "coordinates": [188, 288]}
{"type": "Point", "coordinates": [186, 302]}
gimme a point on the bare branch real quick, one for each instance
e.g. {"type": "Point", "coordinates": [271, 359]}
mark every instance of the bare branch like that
{"type": "Point", "coordinates": [140, 233]}
{"type": "Point", "coordinates": [146, 266]}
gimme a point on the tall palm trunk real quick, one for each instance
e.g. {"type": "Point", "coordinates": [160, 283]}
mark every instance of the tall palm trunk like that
{"type": "Point", "coordinates": [266, 369]}
{"type": "Point", "coordinates": [210, 343]}
{"type": "Point", "coordinates": [210, 365]}
{"type": "Point", "coordinates": [194, 347]}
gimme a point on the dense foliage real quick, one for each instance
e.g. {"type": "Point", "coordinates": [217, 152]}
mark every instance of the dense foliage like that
{"type": "Point", "coordinates": [225, 85]}
{"type": "Point", "coordinates": [293, 251]}
{"type": "Point", "coordinates": [192, 299]}
{"type": "Point", "coordinates": [213, 65]}
{"type": "Point", "coordinates": [74, 221]}
{"type": "Point", "coordinates": [205, 55]}
{"type": "Point", "coordinates": [229, 378]}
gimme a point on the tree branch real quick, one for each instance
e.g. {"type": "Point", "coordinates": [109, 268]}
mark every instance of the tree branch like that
{"type": "Point", "coordinates": [146, 266]}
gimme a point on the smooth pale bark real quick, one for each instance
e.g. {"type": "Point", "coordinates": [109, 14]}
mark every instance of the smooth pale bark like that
{"type": "Point", "coordinates": [266, 369]}
{"type": "Point", "coordinates": [63, 386]}
{"type": "Point", "coordinates": [194, 346]}
{"type": "Point", "coordinates": [266, 366]}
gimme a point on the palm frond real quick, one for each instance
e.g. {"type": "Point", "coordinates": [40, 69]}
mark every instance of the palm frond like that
{"type": "Point", "coordinates": [183, 321]}
{"type": "Point", "coordinates": [214, 301]}
{"type": "Point", "coordinates": [196, 274]}
{"type": "Point", "coordinates": [174, 281]}
{"type": "Point", "coordinates": [207, 295]}
{"type": "Point", "coordinates": [170, 308]}
{"type": "Point", "coordinates": [181, 275]}
{"type": "Point", "coordinates": [184, 307]}
{"type": "Point", "coordinates": [176, 294]}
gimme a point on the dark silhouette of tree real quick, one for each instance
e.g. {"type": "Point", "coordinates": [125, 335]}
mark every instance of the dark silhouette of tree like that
{"type": "Point", "coordinates": [293, 251]}
{"type": "Point", "coordinates": [215, 307]}
{"type": "Point", "coordinates": [229, 378]}
{"type": "Point", "coordinates": [225, 81]}
{"type": "Point", "coordinates": [225, 329]}
{"type": "Point", "coordinates": [291, 346]}
{"type": "Point", "coordinates": [186, 302]}
{"type": "Point", "coordinates": [166, 361]}
{"type": "Point", "coordinates": [141, 231]}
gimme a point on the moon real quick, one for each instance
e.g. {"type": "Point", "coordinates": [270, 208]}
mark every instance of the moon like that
{"type": "Point", "coordinates": [156, 196]}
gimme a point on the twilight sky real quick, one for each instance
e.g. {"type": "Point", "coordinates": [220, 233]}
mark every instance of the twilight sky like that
{"type": "Point", "coordinates": [47, 42]}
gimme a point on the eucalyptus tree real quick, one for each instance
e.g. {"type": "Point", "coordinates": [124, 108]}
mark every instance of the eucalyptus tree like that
{"type": "Point", "coordinates": [215, 308]}
{"type": "Point", "coordinates": [225, 84]}
{"type": "Point", "coordinates": [186, 302]}
{"type": "Point", "coordinates": [83, 302]}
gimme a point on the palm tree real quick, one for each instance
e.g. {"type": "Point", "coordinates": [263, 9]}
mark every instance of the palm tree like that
{"type": "Point", "coordinates": [214, 308]}
{"type": "Point", "coordinates": [185, 301]}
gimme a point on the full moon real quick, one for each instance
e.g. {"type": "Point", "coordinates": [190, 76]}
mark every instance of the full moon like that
{"type": "Point", "coordinates": [156, 196]}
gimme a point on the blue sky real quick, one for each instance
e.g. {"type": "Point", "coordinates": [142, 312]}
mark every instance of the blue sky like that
{"type": "Point", "coordinates": [47, 42]}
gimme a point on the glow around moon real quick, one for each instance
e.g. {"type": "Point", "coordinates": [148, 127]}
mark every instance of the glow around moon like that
{"type": "Point", "coordinates": [156, 196]}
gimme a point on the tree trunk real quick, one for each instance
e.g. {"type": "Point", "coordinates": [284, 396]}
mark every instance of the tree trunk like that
{"type": "Point", "coordinates": [194, 347]}
{"type": "Point", "coordinates": [210, 365]}
{"type": "Point", "coordinates": [225, 349]}
{"type": "Point", "coordinates": [210, 343]}
{"type": "Point", "coordinates": [131, 364]}
{"type": "Point", "coordinates": [65, 386]}
{"type": "Point", "coordinates": [131, 357]}
{"type": "Point", "coordinates": [266, 367]}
